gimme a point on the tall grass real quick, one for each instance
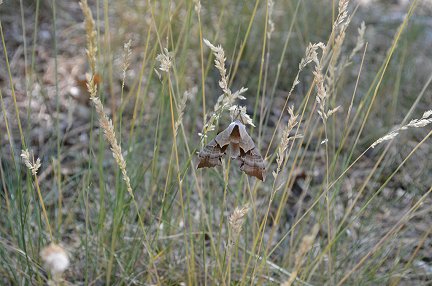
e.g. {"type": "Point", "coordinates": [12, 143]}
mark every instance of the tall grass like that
{"type": "Point", "coordinates": [115, 137]}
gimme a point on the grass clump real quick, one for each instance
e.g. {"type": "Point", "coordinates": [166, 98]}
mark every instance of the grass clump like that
{"type": "Point", "coordinates": [117, 99]}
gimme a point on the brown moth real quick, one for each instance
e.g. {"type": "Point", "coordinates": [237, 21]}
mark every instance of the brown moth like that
{"type": "Point", "coordinates": [235, 141]}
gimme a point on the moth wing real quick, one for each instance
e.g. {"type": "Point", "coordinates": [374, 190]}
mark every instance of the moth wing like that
{"type": "Point", "coordinates": [211, 155]}
{"type": "Point", "coordinates": [246, 142]}
{"type": "Point", "coordinates": [253, 164]}
{"type": "Point", "coordinates": [223, 138]}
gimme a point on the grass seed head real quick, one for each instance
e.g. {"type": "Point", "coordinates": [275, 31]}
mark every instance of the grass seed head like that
{"type": "Point", "coordinates": [197, 6]}
{"type": "Point", "coordinates": [91, 35]}
{"type": "Point", "coordinates": [165, 59]}
{"type": "Point", "coordinates": [425, 120]}
{"type": "Point", "coordinates": [240, 112]}
{"type": "Point", "coordinates": [127, 52]}
{"type": "Point", "coordinates": [31, 164]}
{"type": "Point", "coordinates": [237, 219]}
{"type": "Point", "coordinates": [285, 138]}
{"type": "Point", "coordinates": [271, 24]}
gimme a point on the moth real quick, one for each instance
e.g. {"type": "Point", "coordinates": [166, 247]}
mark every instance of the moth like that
{"type": "Point", "coordinates": [236, 142]}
